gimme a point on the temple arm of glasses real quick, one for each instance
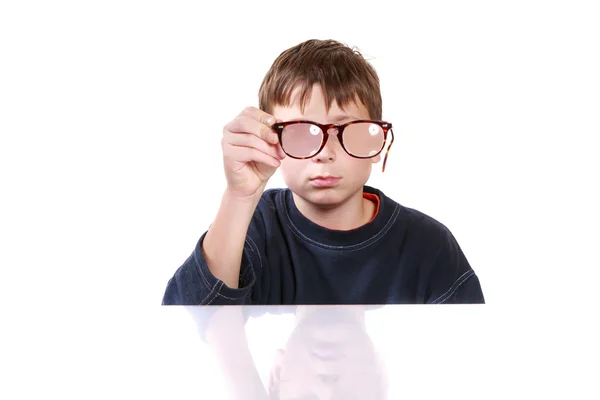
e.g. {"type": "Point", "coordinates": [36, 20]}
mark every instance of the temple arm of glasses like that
{"type": "Point", "coordinates": [387, 151]}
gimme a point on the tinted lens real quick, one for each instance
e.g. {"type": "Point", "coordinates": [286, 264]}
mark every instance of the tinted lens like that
{"type": "Point", "coordinates": [363, 139]}
{"type": "Point", "coordinates": [301, 140]}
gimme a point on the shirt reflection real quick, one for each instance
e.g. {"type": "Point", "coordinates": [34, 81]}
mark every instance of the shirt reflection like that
{"type": "Point", "coordinates": [329, 355]}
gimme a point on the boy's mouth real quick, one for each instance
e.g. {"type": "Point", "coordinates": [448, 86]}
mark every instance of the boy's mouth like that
{"type": "Point", "coordinates": [325, 181]}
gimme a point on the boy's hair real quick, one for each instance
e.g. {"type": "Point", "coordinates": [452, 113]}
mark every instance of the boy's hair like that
{"type": "Point", "coordinates": [342, 72]}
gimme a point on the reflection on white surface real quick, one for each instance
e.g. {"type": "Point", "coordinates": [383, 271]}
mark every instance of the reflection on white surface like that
{"type": "Point", "coordinates": [328, 354]}
{"type": "Point", "coordinates": [414, 352]}
{"type": "Point", "coordinates": [389, 352]}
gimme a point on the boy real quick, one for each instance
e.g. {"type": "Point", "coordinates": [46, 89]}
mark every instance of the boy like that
{"type": "Point", "coordinates": [328, 238]}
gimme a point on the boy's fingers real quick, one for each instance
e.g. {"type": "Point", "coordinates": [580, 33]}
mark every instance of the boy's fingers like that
{"type": "Point", "coordinates": [246, 124]}
{"type": "Point", "coordinates": [281, 153]}
{"type": "Point", "coordinates": [269, 134]}
{"type": "Point", "coordinates": [250, 154]}
{"type": "Point", "coordinates": [253, 142]}
{"type": "Point", "coordinates": [259, 115]}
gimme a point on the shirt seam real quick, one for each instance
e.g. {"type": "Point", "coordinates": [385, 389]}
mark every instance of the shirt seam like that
{"type": "Point", "coordinates": [254, 247]}
{"type": "Point", "coordinates": [204, 279]}
{"type": "Point", "coordinates": [214, 296]}
{"type": "Point", "coordinates": [353, 247]}
{"type": "Point", "coordinates": [216, 288]}
{"type": "Point", "coordinates": [457, 284]}
{"type": "Point", "coordinates": [217, 293]}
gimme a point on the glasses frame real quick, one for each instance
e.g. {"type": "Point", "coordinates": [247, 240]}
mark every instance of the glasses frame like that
{"type": "Point", "coordinates": [385, 126]}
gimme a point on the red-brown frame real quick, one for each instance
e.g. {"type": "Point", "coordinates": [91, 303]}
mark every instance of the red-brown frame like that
{"type": "Point", "coordinates": [385, 126]}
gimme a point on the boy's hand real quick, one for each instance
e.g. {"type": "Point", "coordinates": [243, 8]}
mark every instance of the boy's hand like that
{"type": "Point", "coordinates": [251, 152]}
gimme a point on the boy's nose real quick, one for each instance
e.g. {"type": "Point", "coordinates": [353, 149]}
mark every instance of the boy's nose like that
{"type": "Point", "coordinates": [328, 154]}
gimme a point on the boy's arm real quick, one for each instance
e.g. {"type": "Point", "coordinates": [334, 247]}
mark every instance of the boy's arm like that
{"type": "Point", "coordinates": [226, 262]}
{"type": "Point", "coordinates": [224, 242]}
{"type": "Point", "coordinates": [452, 280]}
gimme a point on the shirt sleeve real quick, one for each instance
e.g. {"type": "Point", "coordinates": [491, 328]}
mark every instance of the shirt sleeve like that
{"type": "Point", "coordinates": [452, 280]}
{"type": "Point", "coordinates": [469, 292]}
{"type": "Point", "coordinates": [194, 284]}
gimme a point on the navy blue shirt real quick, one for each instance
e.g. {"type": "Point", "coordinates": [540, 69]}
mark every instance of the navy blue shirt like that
{"type": "Point", "coordinates": [401, 257]}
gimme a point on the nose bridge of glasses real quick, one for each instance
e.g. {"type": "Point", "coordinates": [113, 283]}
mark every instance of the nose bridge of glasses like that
{"type": "Point", "coordinates": [330, 141]}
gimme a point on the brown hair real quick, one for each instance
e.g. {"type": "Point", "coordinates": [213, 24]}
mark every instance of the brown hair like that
{"type": "Point", "coordinates": [342, 72]}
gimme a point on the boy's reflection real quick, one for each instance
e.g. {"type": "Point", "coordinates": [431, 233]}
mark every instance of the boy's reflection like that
{"type": "Point", "coordinates": [329, 355]}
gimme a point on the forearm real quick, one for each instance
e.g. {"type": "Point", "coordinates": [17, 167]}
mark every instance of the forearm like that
{"type": "Point", "coordinates": [224, 243]}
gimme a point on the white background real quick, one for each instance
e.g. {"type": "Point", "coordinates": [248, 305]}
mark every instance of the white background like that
{"type": "Point", "coordinates": [111, 116]}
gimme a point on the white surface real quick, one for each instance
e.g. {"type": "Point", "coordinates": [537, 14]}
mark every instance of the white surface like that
{"type": "Point", "coordinates": [462, 352]}
{"type": "Point", "coordinates": [111, 116]}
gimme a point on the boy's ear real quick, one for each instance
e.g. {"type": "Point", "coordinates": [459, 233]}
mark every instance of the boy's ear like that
{"type": "Point", "coordinates": [275, 375]}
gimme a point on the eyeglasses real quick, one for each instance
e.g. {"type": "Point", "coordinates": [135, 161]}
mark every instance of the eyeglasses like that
{"type": "Point", "coordinates": [360, 139]}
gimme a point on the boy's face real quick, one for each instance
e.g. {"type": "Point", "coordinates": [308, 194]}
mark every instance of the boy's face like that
{"type": "Point", "coordinates": [332, 161]}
